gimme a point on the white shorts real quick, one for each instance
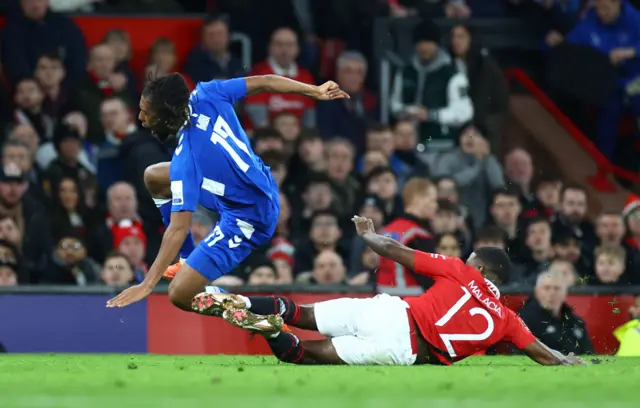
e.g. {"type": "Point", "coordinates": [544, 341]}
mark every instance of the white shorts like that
{"type": "Point", "coordinates": [373, 331]}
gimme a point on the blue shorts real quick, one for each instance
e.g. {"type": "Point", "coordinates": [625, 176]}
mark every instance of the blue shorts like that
{"type": "Point", "coordinates": [230, 242]}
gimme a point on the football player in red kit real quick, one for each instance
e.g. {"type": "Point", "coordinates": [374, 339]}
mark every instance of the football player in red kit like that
{"type": "Point", "coordinates": [459, 316]}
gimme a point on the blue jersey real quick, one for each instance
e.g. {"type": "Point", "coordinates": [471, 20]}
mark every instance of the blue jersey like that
{"type": "Point", "coordinates": [214, 164]}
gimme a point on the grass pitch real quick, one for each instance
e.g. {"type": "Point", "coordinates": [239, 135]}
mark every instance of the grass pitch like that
{"type": "Point", "coordinates": [123, 381]}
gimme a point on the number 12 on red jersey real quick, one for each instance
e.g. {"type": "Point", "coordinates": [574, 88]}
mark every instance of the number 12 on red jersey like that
{"type": "Point", "coordinates": [448, 338]}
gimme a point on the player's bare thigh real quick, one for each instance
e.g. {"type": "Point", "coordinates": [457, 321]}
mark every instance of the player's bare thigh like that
{"type": "Point", "coordinates": [157, 179]}
{"type": "Point", "coordinates": [185, 286]}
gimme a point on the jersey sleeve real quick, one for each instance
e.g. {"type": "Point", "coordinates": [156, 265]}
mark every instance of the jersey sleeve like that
{"type": "Point", "coordinates": [232, 90]}
{"type": "Point", "coordinates": [516, 331]}
{"type": "Point", "coordinates": [435, 265]}
{"type": "Point", "coordinates": [185, 181]}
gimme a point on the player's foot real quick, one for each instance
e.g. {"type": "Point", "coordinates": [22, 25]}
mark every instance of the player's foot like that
{"type": "Point", "coordinates": [244, 319]}
{"type": "Point", "coordinates": [171, 271]}
{"type": "Point", "coordinates": [213, 304]}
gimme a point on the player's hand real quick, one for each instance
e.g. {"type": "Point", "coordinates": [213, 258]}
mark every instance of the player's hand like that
{"type": "Point", "coordinates": [130, 295]}
{"type": "Point", "coordinates": [363, 225]}
{"type": "Point", "coordinates": [329, 91]}
{"type": "Point", "coordinates": [572, 359]}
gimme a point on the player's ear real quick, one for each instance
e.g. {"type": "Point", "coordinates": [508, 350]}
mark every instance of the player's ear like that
{"type": "Point", "coordinates": [480, 268]}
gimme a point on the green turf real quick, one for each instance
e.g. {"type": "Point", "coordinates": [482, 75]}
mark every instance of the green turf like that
{"type": "Point", "coordinates": [120, 381]}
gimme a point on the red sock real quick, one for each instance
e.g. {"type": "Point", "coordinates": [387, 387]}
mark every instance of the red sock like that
{"type": "Point", "coordinates": [278, 305]}
{"type": "Point", "coordinates": [287, 347]}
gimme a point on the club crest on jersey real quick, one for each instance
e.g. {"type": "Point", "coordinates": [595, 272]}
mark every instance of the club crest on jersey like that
{"type": "Point", "coordinates": [477, 293]}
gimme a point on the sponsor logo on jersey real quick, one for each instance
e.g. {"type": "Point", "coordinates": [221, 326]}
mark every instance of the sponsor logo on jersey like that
{"type": "Point", "coordinates": [177, 193]}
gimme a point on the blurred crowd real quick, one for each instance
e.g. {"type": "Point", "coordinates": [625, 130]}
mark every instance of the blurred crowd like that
{"type": "Point", "coordinates": [74, 209]}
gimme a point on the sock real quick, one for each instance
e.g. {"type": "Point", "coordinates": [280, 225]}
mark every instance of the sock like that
{"type": "Point", "coordinates": [278, 305]}
{"type": "Point", "coordinates": [287, 347]}
{"type": "Point", "coordinates": [164, 205]}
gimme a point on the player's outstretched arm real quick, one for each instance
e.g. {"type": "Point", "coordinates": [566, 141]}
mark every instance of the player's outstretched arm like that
{"type": "Point", "coordinates": [384, 246]}
{"type": "Point", "coordinates": [544, 355]}
{"type": "Point", "coordinates": [274, 83]}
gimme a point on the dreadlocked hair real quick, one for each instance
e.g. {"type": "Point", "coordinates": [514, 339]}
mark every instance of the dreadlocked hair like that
{"type": "Point", "coordinates": [168, 98]}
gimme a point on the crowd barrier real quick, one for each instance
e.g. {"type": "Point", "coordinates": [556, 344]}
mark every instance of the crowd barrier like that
{"type": "Point", "coordinates": [75, 320]}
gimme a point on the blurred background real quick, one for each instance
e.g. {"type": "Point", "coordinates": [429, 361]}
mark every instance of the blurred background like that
{"type": "Point", "coordinates": [509, 123]}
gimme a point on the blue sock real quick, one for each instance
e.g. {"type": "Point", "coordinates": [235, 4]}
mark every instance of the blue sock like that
{"type": "Point", "coordinates": [164, 205]}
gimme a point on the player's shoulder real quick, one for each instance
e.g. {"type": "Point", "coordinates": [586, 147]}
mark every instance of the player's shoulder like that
{"type": "Point", "coordinates": [210, 89]}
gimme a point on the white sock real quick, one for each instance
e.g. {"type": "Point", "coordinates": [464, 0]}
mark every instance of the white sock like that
{"type": "Point", "coordinates": [274, 335]}
{"type": "Point", "coordinates": [246, 301]}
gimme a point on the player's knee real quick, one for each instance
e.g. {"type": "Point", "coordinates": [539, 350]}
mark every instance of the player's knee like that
{"type": "Point", "coordinates": [178, 297]}
{"type": "Point", "coordinates": [157, 180]}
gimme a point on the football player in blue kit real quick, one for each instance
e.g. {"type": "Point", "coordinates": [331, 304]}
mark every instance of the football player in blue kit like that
{"type": "Point", "coordinates": [213, 166]}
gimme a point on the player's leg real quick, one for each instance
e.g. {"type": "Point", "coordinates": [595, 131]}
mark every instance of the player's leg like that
{"type": "Point", "coordinates": [158, 182]}
{"type": "Point", "coordinates": [187, 283]}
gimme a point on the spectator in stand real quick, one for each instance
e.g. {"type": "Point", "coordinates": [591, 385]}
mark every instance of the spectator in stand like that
{"type": "Point", "coordinates": [489, 236]}
{"type": "Point", "coordinates": [538, 253]}
{"type": "Point", "coordinates": [70, 264]}
{"type": "Point", "coordinates": [383, 182]}
{"type": "Point", "coordinates": [328, 269]}
{"type": "Point", "coordinates": [448, 221]}
{"type": "Point", "coordinates": [349, 117]}
{"type": "Point", "coordinates": [547, 193]}
{"type": "Point", "coordinates": [405, 142]}
{"type": "Point", "coordinates": [122, 206]}
{"type": "Point", "coordinates": [359, 273]}
{"type": "Point", "coordinates": [125, 7]}
{"type": "Point", "coordinates": [610, 231]}
{"type": "Point", "coordinates": [346, 188]}
{"type": "Point", "coordinates": [266, 139]}
{"type": "Point", "coordinates": [10, 232]}
{"type": "Point", "coordinates": [129, 239]}
{"type": "Point", "coordinates": [488, 87]}
{"type": "Point", "coordinates": [31, 30]}
{"type": "Point", "coordinates": [611, 28]}
{"type": "Point", "coordinates": [8, 275]}
{"type": "Point", "coordinates": [163, 61]}
{"type": "Point", "coordinates": [282, 255]}
{"type": "Point", "coordinates": [566, 270]}
{"type": "Point", "coordinates": [610, 263]}
{"type": "Point", "coordinates": [11, 254]}
{"type": "Point", "coordinates": [566, 247]}
{"type": "Point", "coordinates": [441, 104]}
{"type": "Point", "coordinates": [18, 152]}
{"type": "Point", "coordinates": [289, 127]}
{"type": "Point", "coordinates": [31, 218]}
{"type": "Point", "coordinates": [551, 320]}
{"type": "Point", "coordinates": [448, 190]}
{"type": "Point", "coordinates": [117, 270]}
{"type": "Point", "coordinates": [447, 245]}
{"type": "Point", "coordinates": [631, 216]}
{"type": "Point", "coordinates": [518, 169]}
{"type": "Point", "coordinates": [283, 51]}
{"type": "Point", "coordinates": [118, 123]}
{"type": "Point", "coordinates": [411, 229]}
{"type": "Point", "coordinates": [372, 160]}
{"type": "Point", "coordinates": [475, 170]}
{"type": "Point", "coordinates": [505, 211]}
{"type": "Point", "coordinates": [100, 82]}
{"type": "Point", "coordinates": [211, 59]}
{"type": "Point", "coordinates": [264, 274]}
{"type": "Point", "coordinates": [573, 215]}
{"type": "Point", "coordinates": [317, 195]}
{"type": "Point", "coordinates": [68, 212]}
{"type": "Point", "coordinates": [68, 143]}
{"type": "Point", "coordinates": [309, 158]}
{"type": "Point", "coordinates": [120, 43]}
{"type": "Point", "coordinates": [50, 74]}
{"type": "Point", "coordinates": [380, 138]}
{"type": "Point", "coordinates": [324, 234]}
{"type": "Point", "coordinates": [25, 134]}
{"type": "Point", "coordinates": [28, 100]}
{"type": "Point", "coordinates": [201, 226]}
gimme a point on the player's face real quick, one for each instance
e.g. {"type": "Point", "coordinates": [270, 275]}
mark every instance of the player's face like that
{"type": "Point", "coordinates": [7, 276]}
{"type": "Point", "coordinates": [116, 271]}
{"type": "Point", "coordinates": [539, 236]}
{"type": "Point", "coordinates": [610, 228]}
{"type": "Point", "coordinates": [551, 293]}
{"type": "Point", "coordinates": [145, 116]}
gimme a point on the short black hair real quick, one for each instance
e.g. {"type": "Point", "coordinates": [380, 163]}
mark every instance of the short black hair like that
{"type": "Point", "coordinates": [51, 55]}
{"type": "Point", "coordinates": [448, 207]}
{"type": "Point", "coordinates": [509, 190]}
{"type": "Point", "coordinates": [573, 186]}
{"type": "Point", "coordinates": [274, 158]}
{"type": "Point", "coordinates": [325, 213]}
{"type": "Point", "coordinates": [265, 133]}
{"type": "Point", "coordinates": [379, 171]}
{"type": "Point", "coordinates": [216, 18]}
{"type": "Point", "coordinates": [495, 261]}
{"type": "Point", "coordinates": [538, 220]}
{"type": "Point", "coordinates": [168, 98]}
{"type": "Point", "coordinates": [113, 254]}
{"type": "Point", "coordinates": [375, 127]}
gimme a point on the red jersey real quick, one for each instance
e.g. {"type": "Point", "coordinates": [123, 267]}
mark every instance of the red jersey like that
{"type": "Point", "coordinates": [461, 314]}
{"type": "Point", "coordinates": [276, 103]}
